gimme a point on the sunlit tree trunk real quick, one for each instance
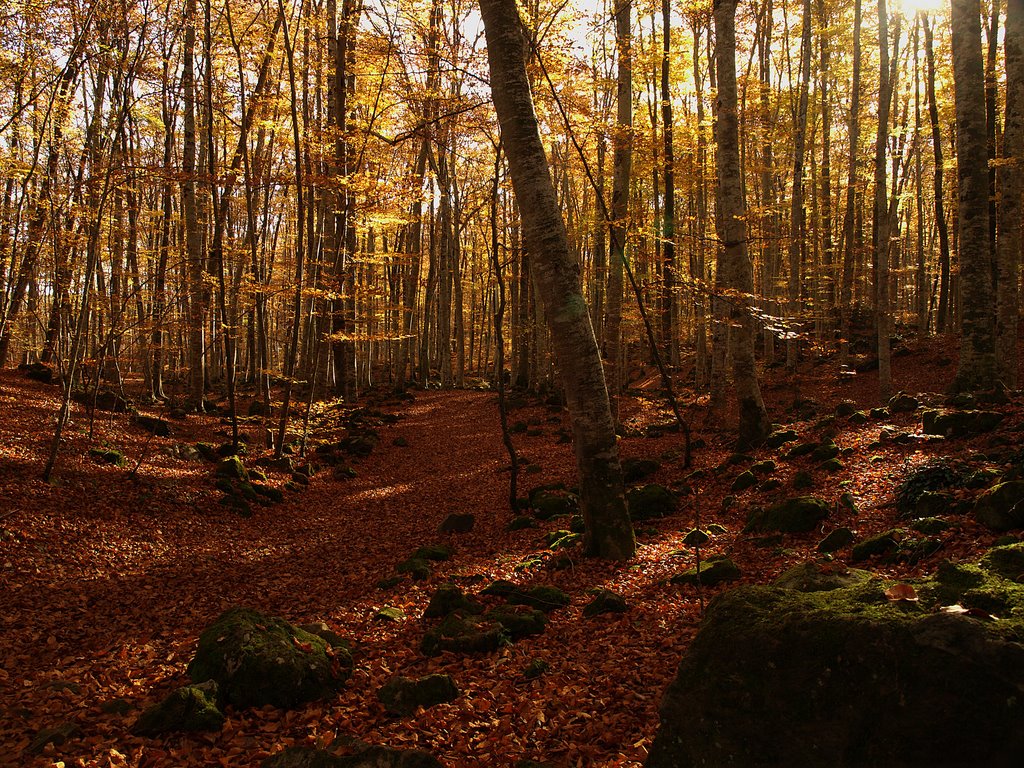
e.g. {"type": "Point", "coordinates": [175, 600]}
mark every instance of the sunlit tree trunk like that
{"type": "Point", "coordinates": [977, 300]}
{"type": "Point", "coordinates": [881, 210]}
{"type": "Point", "coordinates": [942, 320]}
{"type": "Point", "coordinates": [850, 216]}
{"type": "Point", "coordinates": [734, 268]}
{"type": "Point", "coordinates": [797, 217]}
{"type": "Point", "coordinates": [622, 167]}
{"type": "Point", "coordinates": [609, 533]}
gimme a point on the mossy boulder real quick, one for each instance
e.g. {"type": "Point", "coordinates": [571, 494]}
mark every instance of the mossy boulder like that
{"type": "Point", "coordinates": [959, 423]}
{"type": "Point", "coordinates": [801, 449]}
{"type": "Point", "coordinates": [885, 543]}
{"type": "Point", "coordinates": [743, 481]}
{"type": "Point", "coordinates": [464, 633]}
{"type": "Point", "coordinates": [765, 467]}
{"type": "Point", "coordinates": [824, 452]}
{"type": "Point", "coordinates": [543, 597]}
{"type": "Point", "coordinates": [232, 468]}
{"type": "Point", "coordinates": [1007, 562]}
{"type": "Point", "coordinates": [370, 757]}
{"type": "Point", "coordinates": [402, 696]}
{"type": "Point", "coordinates": [546, 501]}
{"type": "Point", "coordinates": [257, 660]}
{"type": "Point", "coordinates": [716, 570]}
{"type": "Point", "coordinates": [650, 501]}
{"type": "Point", "coordinates": [901, 402]}
{"type": "Point", "coordinates": [436, 552]}
{"type": "Point", "coordinates": [447, 599]}
{"type": "Point", "coordinates": [816, 577]}
{"type": "Point", "coordinates": [107, 456]}
{"type": "Point", "coordinates": [845, 677]}
{"type": "Point", "coordinates": [1001, 507]}
{"type": "Point", "coordinates": [417, 568]}
{"type": "Point", "coordinates": [780, 437]}
{"type": "Point", "coordinates": [189, 708]}
{"type": "Point", "coordinates": [836, 540]}
{"type": "Point", "coordinates": [795, 515]}
{"type": "Point", "coordinates": [605, 601]}
{"type": "Point", "coordinates": [519, 621]}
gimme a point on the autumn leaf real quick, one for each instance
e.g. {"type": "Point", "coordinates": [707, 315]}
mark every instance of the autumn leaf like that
{"type": "Point", "coordinates": [899, 592]}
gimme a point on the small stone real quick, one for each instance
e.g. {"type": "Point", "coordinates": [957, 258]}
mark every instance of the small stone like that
{"type": "Point", "coordinates": [605, 601]}
{"type": "Point", "coordinates": [389, 614]}
{"type": "Point", "coordinates": [743, 481]}
{"type": "Point", "coordinates": [402, 696]}
{"type": "Point", "coordinates": [187, 709]}
{"type": "Point", "coordinates": [714, 571]}
{"type": "Point", "coordinates": [838, 539]}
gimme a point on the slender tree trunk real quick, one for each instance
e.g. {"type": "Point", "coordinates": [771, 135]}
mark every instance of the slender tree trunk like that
{"type": "Point", "coordinates": [797, 216]}
{"type": "Point", "coordinates": [622, 168]}
{"type": "Point", "coordinates": [850, 217]}
{"type": "Point", "coordinates": [735, 273]}
{"type": "Point", "coordinates": [608, 533]}
{"type": "Point", "coordinates": [881, 210]}
{"type": "Point", "coordinates": [943, 320]}
{"type": "Point", "coordinates": [668, 230]}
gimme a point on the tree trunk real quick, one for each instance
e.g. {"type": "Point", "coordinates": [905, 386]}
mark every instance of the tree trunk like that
{"type": "Point", "coordinates": [977, 340]}
{"type": "Point", "coordinates": [734, 269]}
{"type": "Point", "coordinates": [1011, 186]}
{"type": "Point", "coordinates": [608, 533]}
{"type": "Point", "coordinates": [942, 321]}
{"type": "Point", "coordinates": [881, 210]}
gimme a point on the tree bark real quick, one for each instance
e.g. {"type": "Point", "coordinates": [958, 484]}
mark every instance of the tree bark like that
{"type": "Point", "coordinates": [1011, 186]}
{"type": "Point", "coordinates": [608, 533]}
{"type": "Point", "coordinates": [977, 301]}
{"type": "Point", "coordinates": [734, 268]}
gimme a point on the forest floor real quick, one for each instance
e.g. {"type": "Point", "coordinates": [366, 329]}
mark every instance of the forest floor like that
{"type": "Point", "coordinates": [109, 574]}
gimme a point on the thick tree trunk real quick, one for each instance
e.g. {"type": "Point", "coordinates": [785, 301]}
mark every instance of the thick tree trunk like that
{"type": "Point", "coordinates": [881, 210]}
{"type": "Point", "coordinates": [734, 268]}
{"type": "Point", "coordinates": [977, 300]}
{"type": "Point", "coordinates": [556, 275]}
{"type": "Point", "coordinates": [1011, 186]}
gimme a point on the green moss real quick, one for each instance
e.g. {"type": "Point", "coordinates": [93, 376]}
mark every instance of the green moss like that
{"type": "Point", "coordinates": [887, 543]}
{"type": "Point", "coordinates": [257, 659]}
{"type": "Point", "coordinates": [824, 452]}
{"type": "Point", "coordinates": [108, 456]}
{"type": "Point", "coordinates": [518, 620]}
{"type": "Point", "coordinates": [447, 599]}
{"type": "Point", "coordinates": [232, 468]}
{"type": "Point", "coordinates": [543, 597]}
{"type": "Point", "coordinates": [801, 513]}
{"type": "Point", "coordinates": [1006, 561]}
{"type": "Point", "coordinates": [402, 696]}
{"type": "Point", "coordinates": [190, 708]}
{"type": "Point", "coordinates": [713, 571]}
{"type": "Point", "coordinates": [390, 614]}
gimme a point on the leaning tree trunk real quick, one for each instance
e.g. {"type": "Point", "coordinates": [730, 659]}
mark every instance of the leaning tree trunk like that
{"type": "Point", "coordinates": [734, 266]}
{"type": "Point", "coordinates": [977, 300]}
{"type": "Point", "coordinates": [556, 276]}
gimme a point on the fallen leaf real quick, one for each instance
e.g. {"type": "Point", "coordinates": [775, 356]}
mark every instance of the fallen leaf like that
{"type": "Point", "coordinates": [901, 592]}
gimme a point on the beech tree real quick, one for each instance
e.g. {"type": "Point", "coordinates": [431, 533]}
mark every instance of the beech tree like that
{"type": "Point", "coordinates": [977, 340]}
{"type": "Point", "coordinates": [556, 275]}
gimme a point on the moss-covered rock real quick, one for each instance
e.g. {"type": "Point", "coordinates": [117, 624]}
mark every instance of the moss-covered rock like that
{"type": "Point", "coordinates": [417, 568]}
{"type": "Point", "coordinates": [521, 522]}
{"type": "Point", "coordinates": [901, 402]}
{"type": "Point", "coordinates": [257, 659]}
{"type": "Point", "coordinates": [189, 708]}
{"type": "Point", "coordinates": [832, 465]}
{"type": "Point", "coordinates": [370, 757]}
{"type": "Point", "coordinates": [802, 479]}
{"type": "Point", "coordinates": [930, 526]}
{"type": "Point", "coordinates": [696, 538]}
{"type": "Point", "coordinates": [885, 543]}
{"type": "Point", "coordinates": [815, 577]}
{"type": "Point", "coordinates": [546, 501]}
{"type": "Point", "coordinates": [402, 696]}
{"type": "Point", "coordinates": [605, 601]}
{"type": "Point", "coordinates": [232, 468]}
{"type": "Point", "coordinates": [825, 451]}
{"type": "Point", "coordinates": [838, 539]}
{"type": "Point", "coordinates": [543, 597]}
{"type": "Point", "coordinates": [447, 599]}
{"type": "Point", "coordinates": [462, 633]}
{"type": "Point", "coordinates": [1001, 507]}
{"type": "Point", "coordinates": [1006, 561]}
{"type": "Point", "coordinates": [713, 571]}
{"type": "Point", "coordinates": [959, 423]}
{"type": "Point", "coordinates": [845, 677]}
{"type": "Point", "coordinates": [743, 481]}
{"type": "Point", "coordinates": [780, 437]}
{"type": "Point", "coordinates": [857, 418]}
{"type": "Point", "coordinates": [765, 467]}
{"type": "Point", "coordinates": [390, 614]}
{"type": "Point", "coordinates": [798, 514]}
{"type": "Point", "coordinates": [650, 501]}
{"type": "Point", "coordinates": [518, 621]}
{"type": "Point", "coordinates": [436, 552]}
{"type": "Point", "coordinates": [107, 456]}
{"type": "Point", "coordinates": [801, 449]}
